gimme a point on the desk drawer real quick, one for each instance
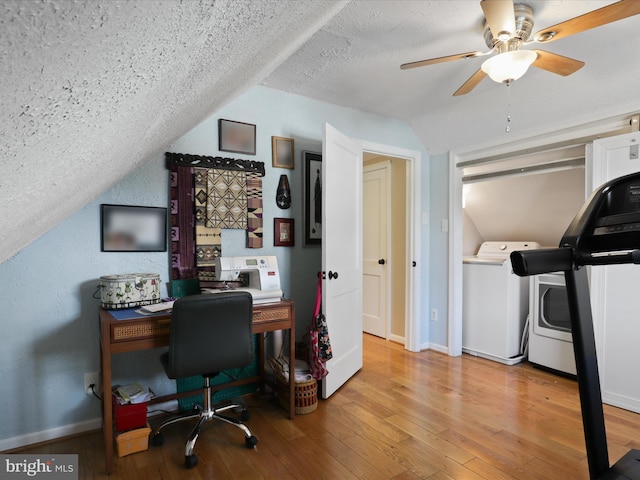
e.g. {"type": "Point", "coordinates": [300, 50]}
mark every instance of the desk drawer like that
{"type": "Point", "coordinates": [147, 328]}
{"type": "Point", "coordinates": [270, 314]}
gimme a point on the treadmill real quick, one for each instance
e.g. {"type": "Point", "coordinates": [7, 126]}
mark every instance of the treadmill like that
{"type": "Point", "coordinates": [605, 231]}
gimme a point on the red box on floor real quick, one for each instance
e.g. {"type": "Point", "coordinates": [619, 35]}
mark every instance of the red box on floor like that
{"type": "Point", "coordinates": [129, 416]}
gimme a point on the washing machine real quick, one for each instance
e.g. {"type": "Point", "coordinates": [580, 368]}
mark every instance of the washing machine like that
{"type": "Point", "coordinates": [495, 303]}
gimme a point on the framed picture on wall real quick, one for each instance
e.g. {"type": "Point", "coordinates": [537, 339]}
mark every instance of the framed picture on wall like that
{"type": "Point", "coordinates": [282, 152]}
{"type": "Point", "coordinates": [283, 232]}
{"type": "Point", "coordinates": [126, 228]}
{"type": "Point", "coordinates": [312, 185]}
{"type": "Point", "coordinates": [236, 137]}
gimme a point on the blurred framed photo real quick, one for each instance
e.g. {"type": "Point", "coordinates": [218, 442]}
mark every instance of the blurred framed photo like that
{"type": "Point", "coordinates": [126, 228]}
{"type": "Point", "coordinates": [236, 137]}
{"type": "Point", "coordinates": [282, 152]}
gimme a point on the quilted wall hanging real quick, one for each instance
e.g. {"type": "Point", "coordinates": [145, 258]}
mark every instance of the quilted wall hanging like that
{"type": "Point", "coordinates": [207, 195]}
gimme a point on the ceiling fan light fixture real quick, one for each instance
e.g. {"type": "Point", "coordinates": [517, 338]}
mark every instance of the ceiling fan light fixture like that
{"type": "Point", "coordinates": [509, 66]}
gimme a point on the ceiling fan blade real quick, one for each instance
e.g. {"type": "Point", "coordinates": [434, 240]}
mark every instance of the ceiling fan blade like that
{"type": "Point", "coordinates": [500, 16]}
{"type": "Point", "coordinates": [448, 58]}
{"type": "Point", "coordinates": [602, 16]}
{"type": "Point", "coordinates": [555, 63]}
{"type": "Point", "coordinates": [470, 84]}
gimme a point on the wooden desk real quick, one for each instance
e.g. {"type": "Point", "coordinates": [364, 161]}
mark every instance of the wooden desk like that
{"type": "Point", "coordinates": [142, 333]}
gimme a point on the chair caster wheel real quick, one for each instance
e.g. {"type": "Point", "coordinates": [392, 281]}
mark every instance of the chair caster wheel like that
{"type": "Point", "coordinates": [157, 439]}
{"type": "Point", "coordinates": [244, 415]}
{"type": "Point", "coordinates": [251, 441]}
{"type": "Point", "coordinates": [190, 461]}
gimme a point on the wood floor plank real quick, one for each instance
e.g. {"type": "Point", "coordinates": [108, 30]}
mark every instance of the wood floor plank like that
{"type": "Point", "coordinates": [437, 442]}
{"type": "Point", "coordinates": [425, 461]}
{"type": "Point", "coordinates": [381, 454]}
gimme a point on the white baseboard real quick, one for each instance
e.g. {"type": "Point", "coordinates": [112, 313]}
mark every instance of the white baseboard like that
{"type": "Point", "coordinates": [621, 401]}
{"type": "Point", "coordinates": [51, 434]}
{"type": "Point", "coordinates": [73, 429]}
{"type": "Point", "coordinates": [436, 348]}
{"type": "Point", "coordinates": [159, 408]}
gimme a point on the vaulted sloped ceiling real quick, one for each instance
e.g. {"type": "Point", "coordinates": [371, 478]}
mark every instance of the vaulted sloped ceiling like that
{"type": "Point", "coordinates": [93, 88]}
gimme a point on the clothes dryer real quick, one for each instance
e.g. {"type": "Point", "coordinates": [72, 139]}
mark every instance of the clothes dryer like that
{"type": "Point", "coordinates": [550, 340]}
{"type": "Point", "coordinates": [495, 303]}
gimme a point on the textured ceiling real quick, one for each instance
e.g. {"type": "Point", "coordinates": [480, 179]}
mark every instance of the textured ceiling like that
{"type": "Point", "coordinates": [89, 83]}
{"type": "Point", "coordinates": [354, 60]}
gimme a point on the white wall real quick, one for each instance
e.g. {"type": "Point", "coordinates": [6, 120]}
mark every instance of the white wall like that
{"type": "Point", "coordinates": [49, 321]}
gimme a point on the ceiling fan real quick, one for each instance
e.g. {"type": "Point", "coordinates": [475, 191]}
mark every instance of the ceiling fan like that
{"type": "Point", "coordinates": [508, 27]}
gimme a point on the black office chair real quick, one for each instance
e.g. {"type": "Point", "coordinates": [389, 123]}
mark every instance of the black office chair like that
{"type": "Point", "coordinates": [209, 333]}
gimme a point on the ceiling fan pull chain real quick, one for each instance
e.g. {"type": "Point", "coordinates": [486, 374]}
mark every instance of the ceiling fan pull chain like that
{"type": "Point", "coordinates": [507, 129]}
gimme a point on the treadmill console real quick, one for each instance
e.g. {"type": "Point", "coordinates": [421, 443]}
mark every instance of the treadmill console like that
{"type": "Point", "coordinates": [610, 219]}
{"type": "Point", "coordinates": [605, 231]}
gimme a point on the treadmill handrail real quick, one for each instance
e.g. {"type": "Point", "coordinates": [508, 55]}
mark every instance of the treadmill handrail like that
{"type": "Point", "coordinates": [546, 260]}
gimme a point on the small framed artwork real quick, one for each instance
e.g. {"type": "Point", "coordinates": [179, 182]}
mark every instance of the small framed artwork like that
{"type": "Point", "coordinates": [282, 151]}
{"type": "Point", "coordinates": [312, 185]}
{"type": "Point", "coordinates": [283, 232]}
{"type": "Point", "coordinates": [126, 228]}
{"type": "Point", "coordinates": [236, 137]}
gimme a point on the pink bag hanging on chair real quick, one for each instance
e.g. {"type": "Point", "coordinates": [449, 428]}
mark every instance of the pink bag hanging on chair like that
{"type": "Point", "coordinates": [319, 346]}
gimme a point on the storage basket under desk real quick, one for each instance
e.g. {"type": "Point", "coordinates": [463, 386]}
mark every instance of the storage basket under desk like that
{"type": "Point", "coordinates": [305, 391]}
{"type": "Point", "coordinates": [305, 394]}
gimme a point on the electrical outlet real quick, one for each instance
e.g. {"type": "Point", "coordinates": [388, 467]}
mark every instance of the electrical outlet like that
{"type": "Point", "coordinates": [92, 378]}
{"type": "Point", "coordinates": [434, 314]}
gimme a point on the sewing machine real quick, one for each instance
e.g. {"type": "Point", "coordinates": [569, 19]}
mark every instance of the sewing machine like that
{"type": "Point", "coordinates": [264, 277]}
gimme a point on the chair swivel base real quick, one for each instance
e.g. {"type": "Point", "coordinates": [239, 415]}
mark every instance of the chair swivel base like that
{"type": "Point", "coordinates": [205, 415]}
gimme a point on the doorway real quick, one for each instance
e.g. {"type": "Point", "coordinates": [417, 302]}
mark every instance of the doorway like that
{"type": "Point", "coordinates": [384, 246]}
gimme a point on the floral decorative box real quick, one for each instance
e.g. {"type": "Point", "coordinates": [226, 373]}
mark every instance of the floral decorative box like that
{"type": "Point", "coordinates": [129, 290]}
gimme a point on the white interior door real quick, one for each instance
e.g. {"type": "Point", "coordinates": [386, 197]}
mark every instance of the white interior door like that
{"type": "Point", "coordinates": [342, 255]}
{"type": "Point", "coordinates": [375, 263]}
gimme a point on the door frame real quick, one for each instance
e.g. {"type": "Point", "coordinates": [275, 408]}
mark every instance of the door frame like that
{"type": "Point", "coordinates": [413, 183]}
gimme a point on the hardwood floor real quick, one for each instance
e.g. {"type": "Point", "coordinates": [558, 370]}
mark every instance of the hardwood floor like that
{"type": "Point", "coordinates": [404, 416]}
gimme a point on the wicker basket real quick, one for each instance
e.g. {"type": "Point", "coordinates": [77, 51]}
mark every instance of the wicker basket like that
{"type": "Point", "coordinates": [305, 392]}
{"type": "Point", "coordinates": [305, 395]}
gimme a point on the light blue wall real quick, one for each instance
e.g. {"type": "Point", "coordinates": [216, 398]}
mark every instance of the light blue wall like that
{"type": "Point", "coordinates": [439, 240]}
{"type": "Point", "coordinates": [49, 322]}
{"type": "Point", "coordinates": [280, 114]}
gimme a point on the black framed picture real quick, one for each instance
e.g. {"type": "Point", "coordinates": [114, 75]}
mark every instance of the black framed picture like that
{"type": "Point", "coordinates": [312, 184]}
{"type": "Point", "coordinates": [127, 228]}
{"type": "Point", "coordinates": [236, 137]}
